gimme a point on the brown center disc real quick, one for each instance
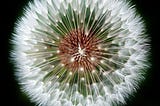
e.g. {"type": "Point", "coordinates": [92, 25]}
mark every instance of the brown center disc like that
{"type": "Point", "coordinates": [78, 51]}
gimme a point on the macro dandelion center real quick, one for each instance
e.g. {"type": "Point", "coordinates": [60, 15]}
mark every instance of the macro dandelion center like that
{"type": "Point", "coordinates": [80, 52]}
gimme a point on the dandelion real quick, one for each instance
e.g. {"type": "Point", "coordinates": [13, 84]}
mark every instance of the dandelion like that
{"type": "Point", "coordinates": [80, 52]}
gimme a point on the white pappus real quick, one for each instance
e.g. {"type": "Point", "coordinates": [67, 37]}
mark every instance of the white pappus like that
{"type": "Point", "coordinates": [80, 52]}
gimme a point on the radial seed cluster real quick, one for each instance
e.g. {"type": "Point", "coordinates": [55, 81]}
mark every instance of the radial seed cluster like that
{"type": "Point", "coordinates": [80, 52]}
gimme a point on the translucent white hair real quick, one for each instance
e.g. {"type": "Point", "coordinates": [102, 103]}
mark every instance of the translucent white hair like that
{"type": "Point", "coordinates": [43, 24]}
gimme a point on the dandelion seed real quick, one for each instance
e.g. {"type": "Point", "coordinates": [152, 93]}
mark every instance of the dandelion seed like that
{"type": "Point", "coordinates": [92, 58]}
{"type": "Point", "coordinates": [72, 59]}
{"type": "Point", "coordinates": [70, 73]}
{"type": "Point", "coordinates": [82, 79]}
{"type": "Point", "coordinates": [82, 69]}
{"type": "Point", "coordinates": [80, 52]}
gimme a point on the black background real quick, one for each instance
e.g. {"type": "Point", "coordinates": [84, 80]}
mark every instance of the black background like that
{"type": "Point", "coordinates": [10, 94]}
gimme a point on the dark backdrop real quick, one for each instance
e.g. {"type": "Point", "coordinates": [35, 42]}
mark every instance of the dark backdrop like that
{"type": "Point", "coordinates": [10, 93]}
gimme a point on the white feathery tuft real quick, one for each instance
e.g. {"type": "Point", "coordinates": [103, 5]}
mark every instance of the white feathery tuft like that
{"type": "Point", "coordinates": [119, 72]}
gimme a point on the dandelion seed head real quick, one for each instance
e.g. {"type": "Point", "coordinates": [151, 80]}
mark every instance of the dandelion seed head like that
{"type": "Point", "coordinates": [80, 52]}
